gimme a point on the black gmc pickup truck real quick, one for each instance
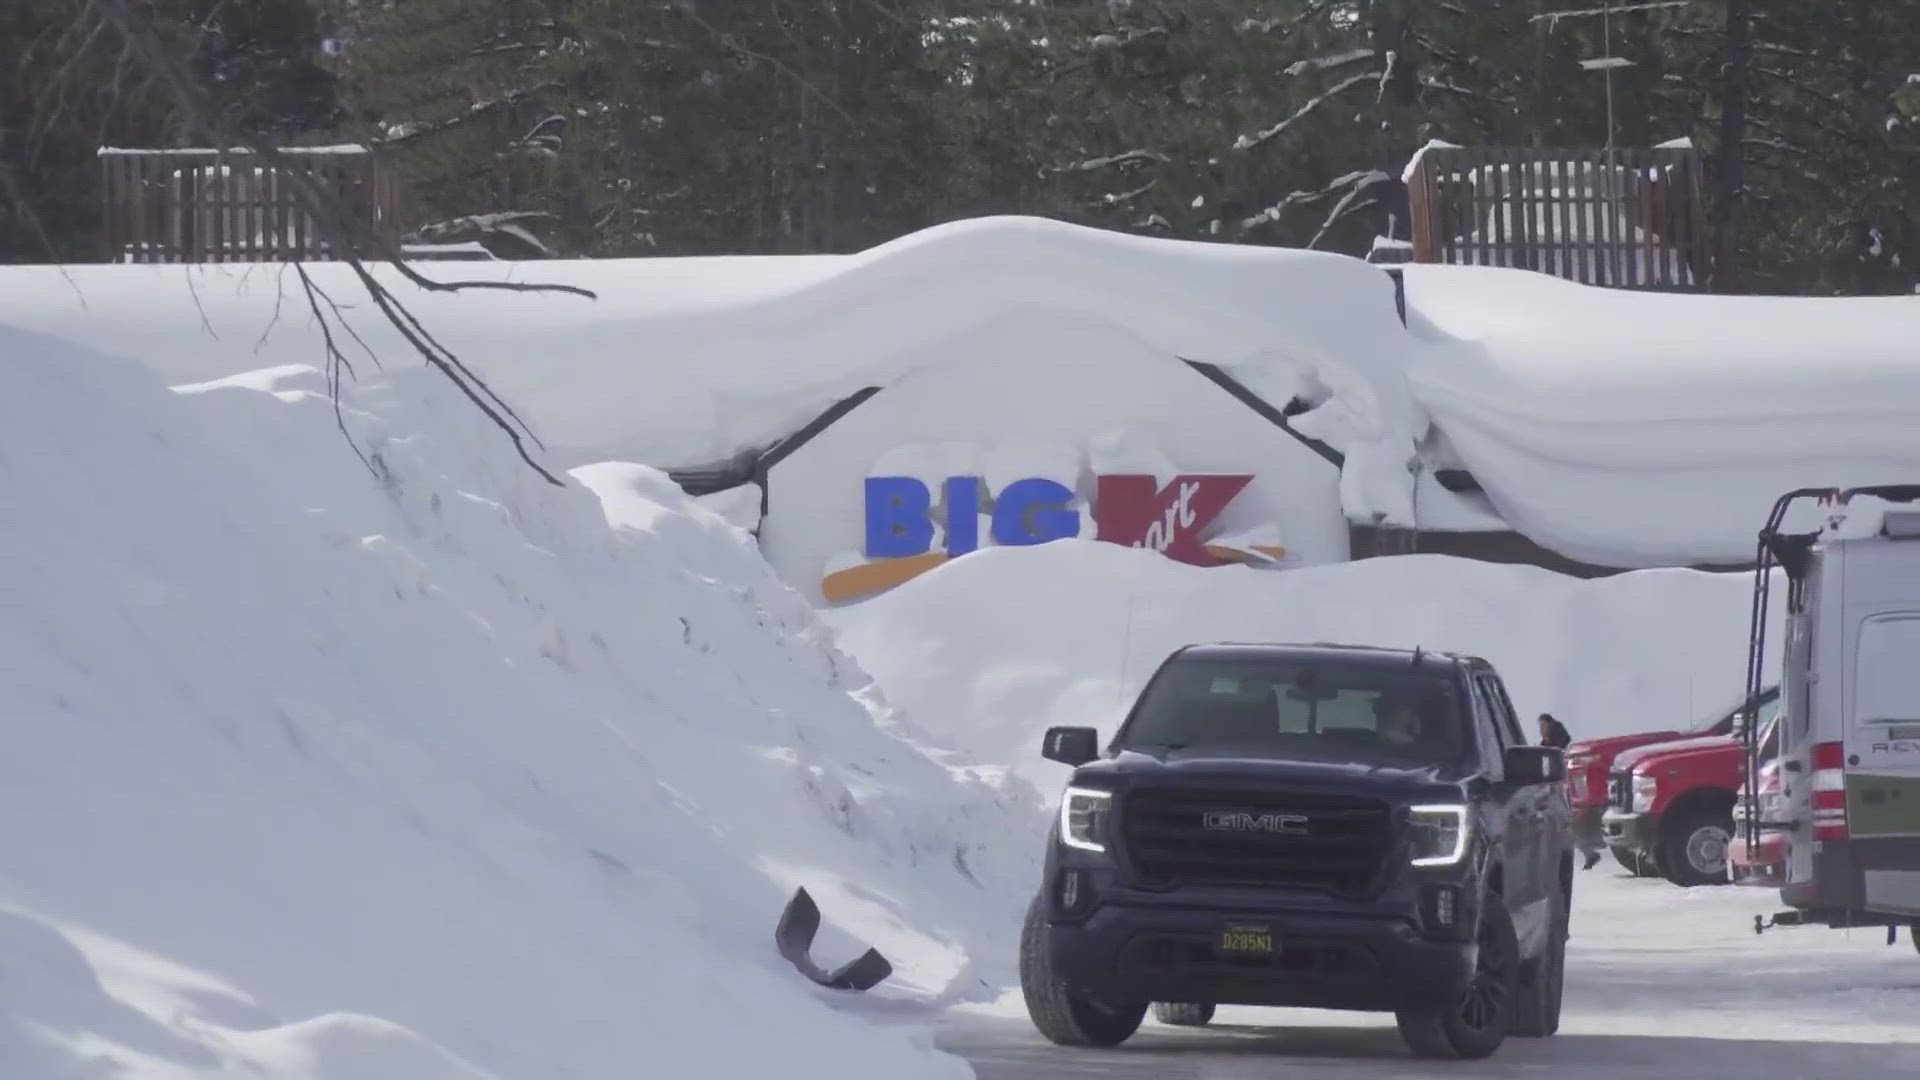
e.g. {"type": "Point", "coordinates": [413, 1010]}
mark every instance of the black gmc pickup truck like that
{"type": "Point", "coordinates": [1315, 826]}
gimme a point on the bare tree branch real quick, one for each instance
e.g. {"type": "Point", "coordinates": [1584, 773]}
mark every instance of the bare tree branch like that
{"type": "Point", "coordinates": [143, 59]}
{"type": "Point", "coordinates": [335, 362]}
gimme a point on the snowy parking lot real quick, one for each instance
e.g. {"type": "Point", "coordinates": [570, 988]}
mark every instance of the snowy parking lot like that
{"type": "Point", "coordinates": [1661, 982]}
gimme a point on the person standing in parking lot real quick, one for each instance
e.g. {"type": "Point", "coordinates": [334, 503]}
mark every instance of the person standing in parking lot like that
{"type": "Point", "coordinates": [1554, 733]}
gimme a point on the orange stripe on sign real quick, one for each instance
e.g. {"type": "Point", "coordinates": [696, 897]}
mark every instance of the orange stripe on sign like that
{"type": "Point", "coordinates": [858, 582]}
{"type": "Point", "coordinates": [1241, 555]}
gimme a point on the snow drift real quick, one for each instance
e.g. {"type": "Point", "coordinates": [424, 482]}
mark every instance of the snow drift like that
{"type": "Point", "coordinates": [992, 648]}
{"type": "Point", "coordinates": [419, 770]}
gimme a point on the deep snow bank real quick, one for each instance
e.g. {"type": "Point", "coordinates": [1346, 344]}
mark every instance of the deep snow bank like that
{"type": "Point", "coordinates": [432, 775]}
{"type": "Point", "coordinates": [690, 361]}
{"type": "Point", "coordinates": [994, 647]}
{"type": "Point", "coordinates": [1632, 429]}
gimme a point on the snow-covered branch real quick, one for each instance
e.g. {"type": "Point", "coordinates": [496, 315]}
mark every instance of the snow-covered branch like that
{"type": "Point", "coordinates": [1432, 82]}
{"type": "Point", "coordinates": [1119, 198]}
{"type": "Point", "coordinates": [1248, 142]}
{"type": "Point", "coordinates": [1121, 42]}
{"type": "Point", "coordinates": [1268, 26]}
{"type": "Point", "coordinates": [507, 223]}
{"type": "Point", "coordinates": [1350, 182]}
{"type": "Point", "coordinates": [1794, 82]}
{"type": "Point", "coordinates": [1778, 49]}
{"type": "Point", "coordinates": [1126, 161]}
{"type": "Point", "coordinates": [1552, 18]}
{"type": "Point", "coordinates": [1330, 61]}
{"type": "Point", "coordinates": [1345, 207]}
{"type": "Point", "coordinates": [413, 130]}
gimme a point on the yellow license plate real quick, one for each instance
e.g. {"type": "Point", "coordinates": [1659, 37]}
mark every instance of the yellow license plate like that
{"type": "Point", "coordinates": [1246, 941]}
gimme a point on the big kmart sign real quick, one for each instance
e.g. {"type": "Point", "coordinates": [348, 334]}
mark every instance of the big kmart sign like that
{"type": "Point", "coordinates": [1128, 509]}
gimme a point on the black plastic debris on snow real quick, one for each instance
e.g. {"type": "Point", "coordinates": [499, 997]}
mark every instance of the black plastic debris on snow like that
{"type": "Point", "coordinates": [794, 938]}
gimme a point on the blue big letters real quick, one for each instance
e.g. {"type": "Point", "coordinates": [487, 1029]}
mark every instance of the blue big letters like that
{"type": "Point", "coordinates": [900, 515]}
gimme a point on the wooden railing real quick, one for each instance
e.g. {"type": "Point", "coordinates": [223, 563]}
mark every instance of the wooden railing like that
{"type": "Point", "coordinates": [1622, 218]}
{"type": "Point", "coordinates": [193, 206]}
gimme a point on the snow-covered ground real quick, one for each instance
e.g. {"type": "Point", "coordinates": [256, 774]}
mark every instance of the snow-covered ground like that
{"type": "Point", "coordinates": [422, 770]}
{"type": "Point", "coordinates": [994, 647]}
{"type": "Point", "coordinates": [1661, 982]}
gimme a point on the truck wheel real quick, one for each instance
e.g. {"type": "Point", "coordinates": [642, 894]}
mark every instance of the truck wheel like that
{"type": "Point", "coordinates": [1183, 1013]}
{"type": "Point", "coordinates": [1063, 1016]}
{"type": "Point", "coordinates": [1693, 848]}
{"type": "Point", "coordinates": [1479, 1023]}
{"type": "Point", "coordinates": [1542, 983]}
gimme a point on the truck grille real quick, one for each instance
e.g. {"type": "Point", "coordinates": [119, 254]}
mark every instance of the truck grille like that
{"type": "Point", "coordinates": [1338, 847]}
{"type": "Point", "coordinates": [1620, 791]}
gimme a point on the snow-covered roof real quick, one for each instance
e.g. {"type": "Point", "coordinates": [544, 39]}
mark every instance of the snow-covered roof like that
{"type": "Point", "coordinates": [1617, 428]}
{"type": "Point", "coordinates": [687, 361]}
{"type": "Point", "coordinates": [1631, 428]}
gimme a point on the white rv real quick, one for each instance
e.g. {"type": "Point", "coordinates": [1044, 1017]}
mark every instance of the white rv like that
{"type": "Point", "coordinates": [1849, 755]}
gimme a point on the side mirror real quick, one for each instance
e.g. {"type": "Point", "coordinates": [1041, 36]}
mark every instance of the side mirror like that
{"type": "Point", "coordinates": [1534, 764]}
{"type": "Point", "coordinates": [1073, 746]}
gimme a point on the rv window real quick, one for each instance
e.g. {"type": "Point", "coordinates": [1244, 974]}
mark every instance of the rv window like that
{"type": "Point", "coordinates": [1886, 680]}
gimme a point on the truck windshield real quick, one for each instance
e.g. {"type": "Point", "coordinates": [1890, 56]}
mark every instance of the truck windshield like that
{"type": "Point", "coordinates": [1367, 712]}
{"type": "Point", "coordinates": [1733, 723]}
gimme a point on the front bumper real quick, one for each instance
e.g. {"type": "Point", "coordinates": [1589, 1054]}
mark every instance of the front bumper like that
{"type": "Point", "coordinates": [1628, 831]}
{"type": "Point", "coordinates": [1321, 960]}
{"type": "Point", "coordinates": [1763, 864]}
{"type": "Point", "coordinates": [1587, 832]}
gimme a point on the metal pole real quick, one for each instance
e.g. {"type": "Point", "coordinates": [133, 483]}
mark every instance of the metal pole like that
{"type": "Point", "coordinates": [1606, 34]}
{"type": "Point", "coordinates": [1613, 171]}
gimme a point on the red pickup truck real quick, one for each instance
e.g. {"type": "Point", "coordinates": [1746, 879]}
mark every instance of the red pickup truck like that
{"type": "Point", "coordinates": [1671, 804]}
{"type": "Point", "coordinates": [1764, 862]}
{"type": "Point", "coordinates": [1590, 762]}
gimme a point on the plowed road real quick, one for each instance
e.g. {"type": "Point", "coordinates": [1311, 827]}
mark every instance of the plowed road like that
{"type": "Point", "coordinates": [1661, 982]}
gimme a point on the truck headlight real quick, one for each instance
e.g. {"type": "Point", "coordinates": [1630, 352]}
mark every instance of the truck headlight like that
{"type": "Point", "coordinates": [1643, 792]}
{"type": "Point", "coordinates": [1083, 817]}
{"type": "Point", "coordinates": [1437, 834]}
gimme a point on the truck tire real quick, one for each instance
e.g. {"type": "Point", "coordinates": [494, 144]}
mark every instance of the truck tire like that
{"type": "Point", "coordinates": [1183, 1013]}
{"type": "Point", "coordinates": [1064, 1017]}
{"type": "Point", "coordinates": [1693, 847]}
{"type": "Point", "coordinates": [1543, 982]}
{"type": "Point", "coordinates": [1479, 1023]}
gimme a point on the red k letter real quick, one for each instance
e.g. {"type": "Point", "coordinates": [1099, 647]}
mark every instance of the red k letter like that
{"type": "Point", "coordinates": [1136, 512]}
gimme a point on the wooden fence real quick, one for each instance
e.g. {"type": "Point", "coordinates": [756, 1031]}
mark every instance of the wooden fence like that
{"type": "Point", "coordinates": [1622, 218]}
{"type": "Point", "coordinates": [193, 206]}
